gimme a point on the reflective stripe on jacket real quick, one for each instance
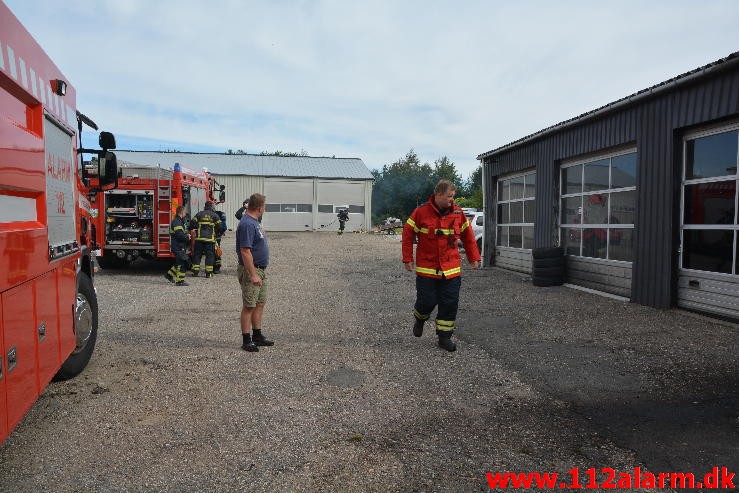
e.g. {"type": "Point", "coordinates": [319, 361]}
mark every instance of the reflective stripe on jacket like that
{"type": "Point", "coordinates": [178, 234]}
{"type": "Point", "coordinates": [437, 231]}
{"type": "Point", "coordinates": [206, 223]}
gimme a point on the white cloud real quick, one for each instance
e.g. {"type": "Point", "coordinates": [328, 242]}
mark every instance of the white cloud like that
{"type": "Point", "coordinates": [366, 79]}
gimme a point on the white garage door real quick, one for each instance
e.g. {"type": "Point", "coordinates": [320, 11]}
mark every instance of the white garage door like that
{"type": "Point", "coordinates": [289, 204]}
{"type": "Point", "coordinates": [338, 194]}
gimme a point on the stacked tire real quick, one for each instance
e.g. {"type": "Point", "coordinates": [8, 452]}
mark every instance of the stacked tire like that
{"type": "Point", "coordinates": [548, 267]}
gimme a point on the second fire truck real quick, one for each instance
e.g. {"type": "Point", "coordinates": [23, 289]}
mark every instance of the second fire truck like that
{"type": "Point", "coordinates": [133, 220]}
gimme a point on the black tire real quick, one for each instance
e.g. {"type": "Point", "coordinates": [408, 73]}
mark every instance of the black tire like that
{"type": "Point", "coordinates": [547, 281]}
{"type": "Point", "coordinates": [110, 261]}
{"type": "Point", "coordinates": [548, 262]}
{"type": "Point", "coordinates": [549, 272]}
{"type": "Point", "coordinates": [547, 252]}
{"type": "Point", "coordinates": [479, 245]}
{"type": "Point", "coordinates": [85, 328]}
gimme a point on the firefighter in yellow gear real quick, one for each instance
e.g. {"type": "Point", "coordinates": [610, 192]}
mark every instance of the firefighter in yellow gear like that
{"type": "Point", "coordinates": [206, 225]}
{"type": "Point", "coordinates": [178, 245]}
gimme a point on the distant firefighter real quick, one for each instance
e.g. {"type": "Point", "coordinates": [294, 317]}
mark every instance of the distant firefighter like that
{"type": "Point", "coordinates": [343, 217]}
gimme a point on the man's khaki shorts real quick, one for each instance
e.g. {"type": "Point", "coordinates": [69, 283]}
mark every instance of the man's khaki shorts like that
{"type": "Point", "coordinates": [252, 295]}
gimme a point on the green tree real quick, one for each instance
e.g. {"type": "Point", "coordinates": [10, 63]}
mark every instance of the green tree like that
{"type": "Point", "coordinates": [400, 187]}
{"type": "Point", "coordinates": [278, 152]}
{"type": "Point", "coordinates": [473, 187]}
{"type": "Point", "coordinates": [444, 169]}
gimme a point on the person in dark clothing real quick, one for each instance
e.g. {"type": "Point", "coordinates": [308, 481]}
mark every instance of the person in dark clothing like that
{"type": "Point", "coordinates": [206, 224]}
{"type": "Point", "coordinates": [343, 216]}
{"type": "Point", "coordinates": [242, 210]}
{"type": "Point", "coordinates": [178, 244]}
{"type": "Point", "coordinates": [219, 234]}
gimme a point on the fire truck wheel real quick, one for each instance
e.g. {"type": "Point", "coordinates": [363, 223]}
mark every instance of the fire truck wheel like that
{"type": "Point", "coordinates": [110, 261]}
{"type": "Point", "coordinates": [85, 327]}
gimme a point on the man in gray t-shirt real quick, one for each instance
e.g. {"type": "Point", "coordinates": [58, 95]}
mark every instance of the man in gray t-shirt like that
{"type": "Point", "coordinates": [252, 251]}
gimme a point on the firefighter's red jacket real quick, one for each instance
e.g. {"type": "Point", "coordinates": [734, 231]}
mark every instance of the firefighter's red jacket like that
{"type": "Point", "coordinates": [437, 254]}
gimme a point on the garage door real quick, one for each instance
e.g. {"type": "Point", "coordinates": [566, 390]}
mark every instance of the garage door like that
{"type": "Point", "coordinates": [339, 194]}
{"type": "Point", "coordinates": [708, 278]}
{"type": "Point", "coordinates": [289, 204]}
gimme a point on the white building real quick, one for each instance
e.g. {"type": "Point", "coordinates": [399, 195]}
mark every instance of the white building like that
{"type": "Point", "coordinates": [303, 193]}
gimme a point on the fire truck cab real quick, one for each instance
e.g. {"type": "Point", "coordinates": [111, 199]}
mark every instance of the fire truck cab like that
{"type": "Point", "coordinates": [48, 307]}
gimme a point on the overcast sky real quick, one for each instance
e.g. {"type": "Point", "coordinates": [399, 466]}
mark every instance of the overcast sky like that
{"type": "Point", "coordinates": [368, 79]}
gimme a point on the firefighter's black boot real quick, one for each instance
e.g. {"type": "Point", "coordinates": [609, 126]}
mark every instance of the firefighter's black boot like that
{"type": "Point", "coordinates": [418, 327]}
{"type": "Point", "coordinates": [260, 340]}
{"type": "Point", "coordinates": [248, 344]}
{"type": "Point", "coordinates": [445, 342]}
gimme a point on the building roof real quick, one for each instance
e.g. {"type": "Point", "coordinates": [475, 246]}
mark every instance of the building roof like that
{"type": "Point", "coordinates": [253, 164]}
{"type": "Point", "coordinates": [725, 63]}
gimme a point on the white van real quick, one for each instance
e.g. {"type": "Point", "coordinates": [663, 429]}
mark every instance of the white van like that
{"type": "Point", "coordinates": [476, 220]}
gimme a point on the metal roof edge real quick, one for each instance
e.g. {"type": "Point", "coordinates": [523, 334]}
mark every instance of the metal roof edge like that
{"type": "Point", "coordinates": [719, 65]}
{"type": "Point", "coordinates": [302, 177]}
{"type": "Point", "coordinates": [236, 155]}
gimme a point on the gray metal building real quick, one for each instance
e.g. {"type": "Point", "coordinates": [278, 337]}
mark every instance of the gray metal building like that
{"type": "Point", "coordinates": [303, 193]}
{"type": "Point", "coordinates": [641, 194]}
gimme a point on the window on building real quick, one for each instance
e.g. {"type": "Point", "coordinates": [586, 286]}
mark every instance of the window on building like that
{"type": "Point", "coordinates": [326, 208]}
{"type": "Point", "coordinates": [710, 233]}
{"type": "Point", "coordinates": [597, 207]}
{"type": "Point", "coordinates": [288, 208]}
{"type": "Point", "coordinates": [516, 212]}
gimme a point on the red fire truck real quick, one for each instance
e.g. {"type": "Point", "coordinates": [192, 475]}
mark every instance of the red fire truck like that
{"type": "Point", "coordinates": [133, 220]}
{"type": "Point", "coordinates": [48, 308]}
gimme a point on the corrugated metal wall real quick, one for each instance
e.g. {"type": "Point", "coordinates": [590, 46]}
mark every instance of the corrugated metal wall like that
{"type": "Point", "coordinates": [238, 188]}
{"type": "Point", "coordinates": [655, 126]}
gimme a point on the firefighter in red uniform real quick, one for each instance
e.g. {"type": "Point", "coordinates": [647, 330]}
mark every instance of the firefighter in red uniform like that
{"type": "Point", "coordinates": [438, 224]}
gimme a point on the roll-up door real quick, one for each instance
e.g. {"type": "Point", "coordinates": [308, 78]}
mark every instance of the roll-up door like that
{"type": "Point", "coordinates": [289, 204]}
{"type": "Point", "coordinates": [338, 194]}
{"type": "Point", "coordinates": [597, 210]}
{"type": "Point", "coordinates": [708, 277]}
{"type": "Point", "coordinates": [515, 215]}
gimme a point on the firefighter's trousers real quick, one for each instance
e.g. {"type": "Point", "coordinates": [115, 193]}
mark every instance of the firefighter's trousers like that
{"type": "Point", "coordinates": [177, 271]}
{"type": "Point", "coordinates": [209, 249]}
{"type": "Point", "coordinates": [442, 292]}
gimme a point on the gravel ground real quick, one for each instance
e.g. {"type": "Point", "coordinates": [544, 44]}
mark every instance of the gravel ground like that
{"type": "Point", "coordinates": [348, 400]}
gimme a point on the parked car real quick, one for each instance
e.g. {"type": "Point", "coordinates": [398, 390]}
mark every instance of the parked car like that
{"type": "Point", "coordinates": [476, 220]}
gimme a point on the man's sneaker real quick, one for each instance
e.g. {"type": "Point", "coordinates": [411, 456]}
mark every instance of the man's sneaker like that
{"type": "Point", "coordinates": [169, 277]}
{"type": "Point", "coordinates": [250, 346]}
{"type": "Point", "coordinates": [208, 275]}
{"type": "Point", "coordinates": [447, 343]}
{"type": "Point", "coordinates": [181, 283]}
{"type": "Point", "coordinates": [262, 341]}
{"type": "Point", "coordinates": [418, 328]}
{"type": "Point", "coordinates": [194, 273]}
